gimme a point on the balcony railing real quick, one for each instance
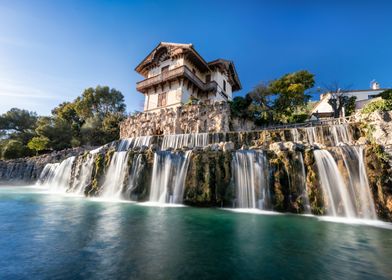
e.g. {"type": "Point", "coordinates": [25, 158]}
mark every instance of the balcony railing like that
{"type": "Point", "coordinates": [182, 71]}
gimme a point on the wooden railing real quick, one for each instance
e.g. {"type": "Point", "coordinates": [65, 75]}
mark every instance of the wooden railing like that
{"type": "Point", "coordinates": [182, 71]}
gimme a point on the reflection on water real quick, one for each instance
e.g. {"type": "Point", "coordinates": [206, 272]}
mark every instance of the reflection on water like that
{"type": "Point", "coordinates": [46, 236]}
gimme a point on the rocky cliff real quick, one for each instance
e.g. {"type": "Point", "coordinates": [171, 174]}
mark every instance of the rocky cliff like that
{"type": "Point", "coordinates": [28, 170]}
{"type": "Point", "coordinates": [319, 170]}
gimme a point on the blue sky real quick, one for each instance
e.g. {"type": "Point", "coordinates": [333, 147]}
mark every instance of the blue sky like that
{"type": "Point", "coordinates": [51, 50]}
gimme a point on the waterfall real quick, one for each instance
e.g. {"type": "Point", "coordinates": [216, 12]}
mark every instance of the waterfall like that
{"type": "Point", "coordinates": [130, 143]}
{"type": "Point", "coordinates": [113, 185]}
{"type": "Point", "coordinates": [301, 181]}
{"type": "Point", "coordinates": [136, 168]}
{"type": "Point", "coordinates": [353, 201]}
{"type": "Point", "coordinates": [332, 135]}
{"type": "Point", "coordinates": [115, 175]}
{"type": "Point", "coordinates": [340, 134]}
{"type": "Point", "coordinates": [47, 173]}
{"type": "Point", "coordinates": [177, 141]}
{"type": "Point", "coordinates": [294, 135]}
{"type": "Point", "coordinates": [311, 135]}
{"type": "Point", "coordinates": [83, 173]}
{"type": "Point", "coordinates": [168, 177]}
{"type": "Point", "coordinates": [250, 172]}
{"type": "Point", "coordinates": [358, 182]}
{"type": "Point", "coordinates": [58, 178]}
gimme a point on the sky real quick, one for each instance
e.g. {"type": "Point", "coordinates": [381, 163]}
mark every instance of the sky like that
{"type": "Point", "coordinates": [50, 51]}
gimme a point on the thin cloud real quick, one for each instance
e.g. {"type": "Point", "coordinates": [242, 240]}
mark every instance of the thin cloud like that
{"type": "Point", "coordinates": [19, 90]}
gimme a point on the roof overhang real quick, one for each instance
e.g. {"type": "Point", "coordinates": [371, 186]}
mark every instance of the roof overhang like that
{"type": "Point", "coordinates": [170, 50]}
{"type": "Point", "coordinates": [228, 67]}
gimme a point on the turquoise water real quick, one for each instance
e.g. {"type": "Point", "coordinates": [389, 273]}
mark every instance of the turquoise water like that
{"type": "Point", "coordinates": [48, 236]}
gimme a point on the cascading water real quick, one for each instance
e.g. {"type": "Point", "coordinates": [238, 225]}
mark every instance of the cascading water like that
{"type": "Point", "coordinates": [250, 172]}
{"type": "Point", "coordinates": [136, 168]}
{"type": "Point", "coordinates": [354, 201]}
{"type": "Point", "coordinates": [311, 135]}
{"type": "Point", "coordinates": [82, 174]}
{"type": "Point", "coordinates": [358, 182]}
{"type": "Point", "coordinates": [168, 177]}
{"type": "Point", "coordinates": [177, 141]}
{"type": "Point", "coordinates": [59, 179]}
{"type": "Point", "coordinates": [294, 135]}
{"type": "Point", "coordinates": [331, 135]}
{"type": "Point", "coordinates": [113, 186]}
{"type": "Point", "coordinates": [130, 143]}
{"type": "Point", "coordinates": [114, 180]}
{"type": "Point", "coordinates": [334, 189]}
{"type": "Point", "coordinates": [342, 173]}
{"type": "Point", "coordinates": [340, 134]}
{"type": "Point", "coordinates": [47, 173]}
{"type": "Point", "coordinates": [301, 181]}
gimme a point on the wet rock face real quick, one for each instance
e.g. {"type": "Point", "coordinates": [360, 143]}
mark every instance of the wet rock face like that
{"type": "Point", "coordinates": [208, 181]}
{"type": "Point", "coordinates": [379, 173]}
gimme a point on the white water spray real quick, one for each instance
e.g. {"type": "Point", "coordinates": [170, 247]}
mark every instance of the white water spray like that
{"type": "Point", "coordinates": [250, 172]}
{"type": "Point", "coordinates": [168, 177]}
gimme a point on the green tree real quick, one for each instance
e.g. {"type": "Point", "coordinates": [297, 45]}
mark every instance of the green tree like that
{"type": "Point", "coordinates": [239, 107]}
{"type": "Point", "coordinates": [16, 127]}
{"type": "Point", "coordinates": [290, 93]}
{"type": "Point", "coordinates": [281, 100]}
{"type": "Point", "coordinates": [67, 111]}
{"type": "Point", "coordinates": [14, 149]}
{"type": "Point", "coordinates": [57, 130]}
{"type": "Point", "coordinates": [99, 102]}
{"type": "Point", "coordinates": [18, 120]}
{"type": "Point", "coordinates": [94, 117]}
{"type": "Point", "coordinates": [38, 144]}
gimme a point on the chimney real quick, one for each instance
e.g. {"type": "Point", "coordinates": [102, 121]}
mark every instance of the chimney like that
{"type": "Point", "coordinates": [374, 84]}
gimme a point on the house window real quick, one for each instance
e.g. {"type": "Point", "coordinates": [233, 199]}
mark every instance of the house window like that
{"type": "Point", "coordinates": [162, 99]}
{"type": "Point", "coordinates": [165, 69]}
{"type": "Point", "coordinates": [224, 85]}
{"type": "Point", "coordinates": [208, 78]}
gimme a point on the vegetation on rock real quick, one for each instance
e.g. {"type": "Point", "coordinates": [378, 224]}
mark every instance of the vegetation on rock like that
{"type": "Point", "coordinates": [378, 105]}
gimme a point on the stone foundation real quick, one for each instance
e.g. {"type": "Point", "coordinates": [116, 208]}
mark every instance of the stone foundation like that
{"type": "Point", "coordinates": [192, 118]}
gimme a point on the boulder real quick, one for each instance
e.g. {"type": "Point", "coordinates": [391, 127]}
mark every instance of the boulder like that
{"type": "Point", "coordinates": [228, 146]}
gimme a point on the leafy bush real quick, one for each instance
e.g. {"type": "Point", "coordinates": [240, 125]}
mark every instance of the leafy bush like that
{"type": "Point", "coordinates": [14, 149]}
{"type": "Point", "coordinates": [298, 118]}
{"type": "Point", "coordinates": [386, 94]}
{"type": "Point", "coordinates": [379, 105]}
{"type": "Point", "coordinates": [38, 143]}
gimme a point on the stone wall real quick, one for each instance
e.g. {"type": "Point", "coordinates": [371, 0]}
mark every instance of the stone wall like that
{"type": "Point", "coordinates": [379, 128]}
{"type": "Point", "coordinates": [192, 118]}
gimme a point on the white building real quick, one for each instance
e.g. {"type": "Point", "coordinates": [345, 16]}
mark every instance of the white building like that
{"type": "Point", "coordinates": [175, 73]}
{"type": "Point", "coordinates": [363, 97]}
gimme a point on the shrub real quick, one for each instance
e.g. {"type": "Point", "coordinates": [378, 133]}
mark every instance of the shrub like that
{"type": "Point", "coordinates": [38, 143]}
{"type": "Point", "coordinates": [14, 149]}
{"type": "Point", "coordinates": [387, 94]}
{"type": "Point", "coordinates": [298, 118]}
{"type": "Point", "coordinates": [379, 105]}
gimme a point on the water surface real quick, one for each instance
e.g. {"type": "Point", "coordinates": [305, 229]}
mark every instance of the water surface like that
{"type": "Point", "coordinates": [50, 236]}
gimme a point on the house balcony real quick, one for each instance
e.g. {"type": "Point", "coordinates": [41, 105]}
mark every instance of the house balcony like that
{"type": "Point", "coordinates": [174, 74]}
